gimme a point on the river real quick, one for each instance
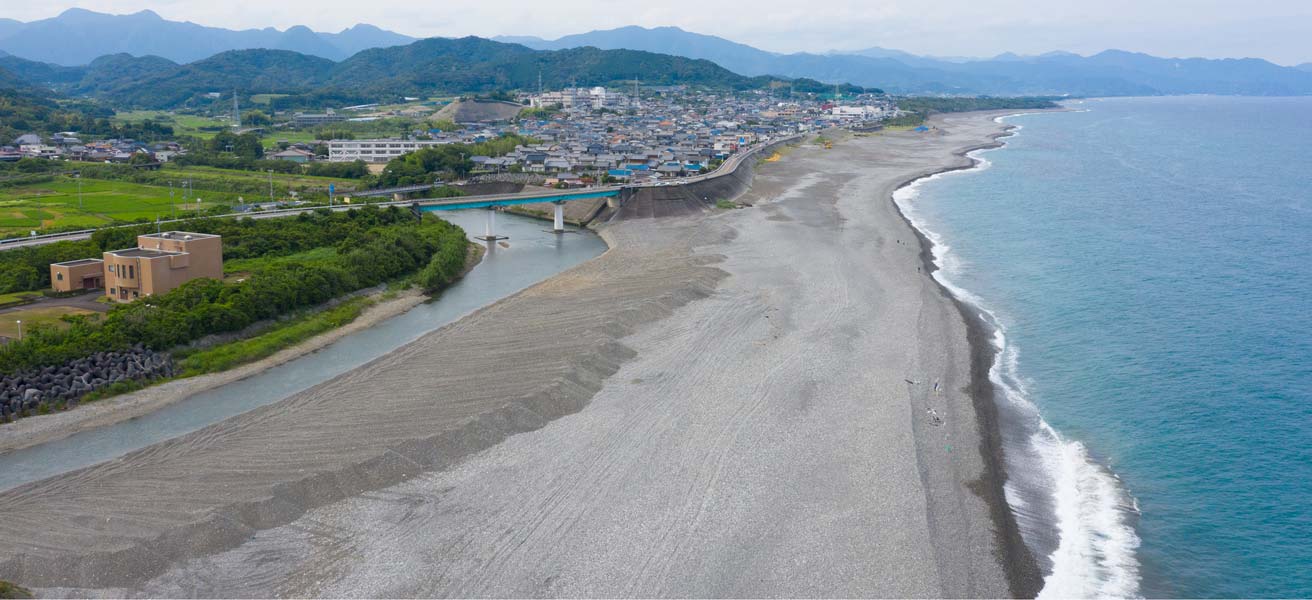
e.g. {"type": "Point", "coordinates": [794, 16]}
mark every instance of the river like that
{"type": "Point", "coordinates": [533, 253]}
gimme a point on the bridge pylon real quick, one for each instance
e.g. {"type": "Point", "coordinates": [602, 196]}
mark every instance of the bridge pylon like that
{"type": "Point", "coordinates": [489, 233]}
{"type": "Point", "coordinates": [558, 222]}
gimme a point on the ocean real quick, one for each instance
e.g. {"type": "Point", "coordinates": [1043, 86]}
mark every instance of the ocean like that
{"type": "Point", "coordinates": [1147, 263]}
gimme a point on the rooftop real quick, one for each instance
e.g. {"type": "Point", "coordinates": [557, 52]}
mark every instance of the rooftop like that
{"type": "Point", "coordinates": [79, 262]}
{"type": "Point", "coordinates": [143, 253]}
{"type": "Point", "coordinates": [174, 235]}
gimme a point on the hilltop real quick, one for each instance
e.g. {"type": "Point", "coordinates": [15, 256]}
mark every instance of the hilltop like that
{"type": "Point", "coordinates": [426, 67]}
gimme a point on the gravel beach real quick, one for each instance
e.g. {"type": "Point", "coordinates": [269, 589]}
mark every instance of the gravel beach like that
{"type": "Point", "coordinates": [773, 401]}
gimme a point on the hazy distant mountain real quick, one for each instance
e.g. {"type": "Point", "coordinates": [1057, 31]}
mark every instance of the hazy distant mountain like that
{"type": "Point", "coordinates": [363, 37]}
{"type": "Point", "coordinates": [1110, 73]}
{"type": "Point", "coordinates": [736, 57]}
{"type": "Point", "coordinates": [8, 26]}
{"type": "Point", "coordinates": [78, 36]}
{"type": "Point", "coordinates": [532, 41]}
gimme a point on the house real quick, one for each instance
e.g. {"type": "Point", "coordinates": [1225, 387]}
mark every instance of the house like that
{"type": "Point", "coordinates": [293, 155]}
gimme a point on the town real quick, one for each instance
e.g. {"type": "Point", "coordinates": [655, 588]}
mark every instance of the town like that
{"type": "Point", "coordinates": [579, 134]}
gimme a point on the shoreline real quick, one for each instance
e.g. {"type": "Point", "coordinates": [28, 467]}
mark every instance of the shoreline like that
{"type": "Point", "coordinates": [1023, 572]}
{"type": "Point", "coordinates": [605, 431]}
{"type": "Point", "coordinates": [42, 429]}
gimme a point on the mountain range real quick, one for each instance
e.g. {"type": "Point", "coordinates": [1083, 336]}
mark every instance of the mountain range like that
{"type": "Point", "coordinates": [1109, 73]}
{"type": "Point", "coordinates": [78, 36]}
{"type": "Point", "coordinates": [82, 40]}
{"type": "Point", "coordinates": [422, 68]}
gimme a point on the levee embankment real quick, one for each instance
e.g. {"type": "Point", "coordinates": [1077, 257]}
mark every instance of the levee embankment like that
{"type": "Point", "coordinates": [689, 198]}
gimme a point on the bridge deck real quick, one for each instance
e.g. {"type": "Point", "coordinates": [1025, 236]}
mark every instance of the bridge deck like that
{"type": "Point", "coordinates": [512, 199]}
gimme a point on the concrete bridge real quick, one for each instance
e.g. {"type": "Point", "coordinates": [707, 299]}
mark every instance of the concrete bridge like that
{"type": "Point", "coordinates": [613, 194]}
{"type": "Point", "coordinates": [397, 193]}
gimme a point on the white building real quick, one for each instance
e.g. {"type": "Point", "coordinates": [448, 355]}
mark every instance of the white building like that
{"type": "Point", "coordinates": [597, 97]}
{"type": "Point", "coordinates": [857, 112]}
{"type": "Point", "coordinates": [375, 151]}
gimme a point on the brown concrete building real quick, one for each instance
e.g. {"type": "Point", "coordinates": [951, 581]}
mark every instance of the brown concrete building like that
{"type": "Point", "coordinates": [81, 274]}
{"type": "Point", "coordinates": [161, 262]}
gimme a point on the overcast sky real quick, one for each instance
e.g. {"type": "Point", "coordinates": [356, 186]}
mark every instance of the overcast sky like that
{"type": "Point", "coordinates": [1278, 30]}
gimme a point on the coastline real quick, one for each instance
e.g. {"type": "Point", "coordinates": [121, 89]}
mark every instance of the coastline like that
{"type": "Point", "coordinates": [1024, 575]}
{"type": "Point", "coordinates": [41, 429]}
{"type": "Point", "coordinates": [642, 468]}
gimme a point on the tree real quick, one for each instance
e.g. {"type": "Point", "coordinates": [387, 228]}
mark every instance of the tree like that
{"type": "Point", "coordinates": [444, 125]}
{"type": "Point", "coordinates": [256, 118]}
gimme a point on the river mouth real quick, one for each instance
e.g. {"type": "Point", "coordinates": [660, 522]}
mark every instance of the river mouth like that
{"type": "Point", "coordinates": [531, 254]}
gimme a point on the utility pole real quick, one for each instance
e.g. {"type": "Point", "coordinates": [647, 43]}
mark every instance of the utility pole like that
{"type": "Point", "coordinates": [78, 175]}
{"type": "Point", "coordinates": [173, 208]}
{"type": "Point", "coordinates": [270, 185]}
{"type": "Point", "coordinates": [236, 112]}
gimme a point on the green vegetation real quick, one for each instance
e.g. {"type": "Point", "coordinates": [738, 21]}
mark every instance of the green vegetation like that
{"type": "Point", "coordinates": [183, 125]}
{"type": "Point", "coordinates": [114, 194]}
{"type": "Point", "coordinates": [725, 204]}
{"type": "Point", "coordinates": [539, 113]}
{"type": "Point", "coordinates": [18, 299]}
{"type": "Point", "coordinates": [921, 107]}
{"type": "Point", "coordinates": [56, 204]}
{"type": "Point", "coordinates": [435, 66]}
{"type": "Point", "coordinates": [447, 159]}
{"type": "Point", "coordinates": [285, 335]}
{"type": "Point", "coordinates": [372, 246]}
{"type": "Point", "coordinates": [31, 111]}
{"type": "Point", "coordinates": [14, 591]}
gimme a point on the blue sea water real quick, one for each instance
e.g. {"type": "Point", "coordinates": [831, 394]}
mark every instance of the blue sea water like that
{"type": "Point", "coordinates": [1148, 265]}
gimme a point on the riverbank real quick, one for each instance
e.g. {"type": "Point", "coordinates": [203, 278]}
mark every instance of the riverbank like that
{"type": "Point", "coordinates": [768, 401]}
{"type": "Point", "coordinates": [41, 429]}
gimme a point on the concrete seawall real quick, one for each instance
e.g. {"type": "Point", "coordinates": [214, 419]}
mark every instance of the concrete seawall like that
{"type": "Point", "coordinates": [690, 198]}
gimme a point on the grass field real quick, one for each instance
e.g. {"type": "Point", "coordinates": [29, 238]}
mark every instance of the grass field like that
{"type": "Point", "coordinates": [57, 204]}
{"type": "Point", "coordinates": [43, 315]}
{"type": "Point", "coordinates": [182, 124]}
{"type": "Point", "coordinates": [280, 179]}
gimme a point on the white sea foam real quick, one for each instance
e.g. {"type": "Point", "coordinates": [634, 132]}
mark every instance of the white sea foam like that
{"type": "Point", "coordinates": [1063, 488]}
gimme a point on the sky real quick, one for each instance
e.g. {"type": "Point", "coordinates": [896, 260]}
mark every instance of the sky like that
{"type": "Point", "coordinates": [1277, 30]}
